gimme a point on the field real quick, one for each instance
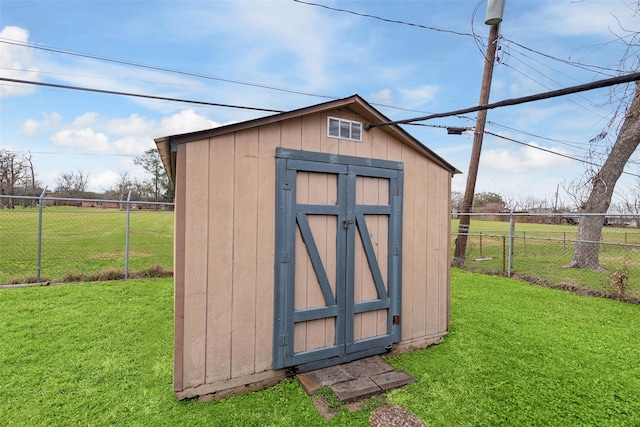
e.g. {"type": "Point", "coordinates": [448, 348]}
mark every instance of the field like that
{"type": "Point", "coordinates": [80, 242]}
{"type": "Point", "coordinates": [517, 355]}
{"type": "Point", "coordinates": [541, 251]}
{"type": "Point", "coordinates": [86, 244]}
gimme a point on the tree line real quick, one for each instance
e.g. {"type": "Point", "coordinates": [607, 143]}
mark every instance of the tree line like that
{"type": "Point", "coordinates": [18, 177]}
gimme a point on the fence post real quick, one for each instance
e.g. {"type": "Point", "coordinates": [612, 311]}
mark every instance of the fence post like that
{"type": "Point", "coordinates": [126, 240]}
{"type": "Point", "coordinates": [512, 226]}
{"type": "Point", "coordinates": [524, 242]}
{"type": "Point", "coordinates": [481, 244]}
{"type": "Point", "coordinates": [39, 262]}
{"type": "Point", "coordinates": [504, 253]}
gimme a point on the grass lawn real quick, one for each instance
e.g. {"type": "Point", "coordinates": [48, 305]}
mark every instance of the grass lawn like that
{"type": "Point", "coordinates": [101, 354]}
{"type": "Point", "coordinates": [78, 242]}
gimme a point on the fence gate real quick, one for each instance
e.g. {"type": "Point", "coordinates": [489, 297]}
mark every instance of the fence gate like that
{"type": "Point", "coordinates": [338, 258]}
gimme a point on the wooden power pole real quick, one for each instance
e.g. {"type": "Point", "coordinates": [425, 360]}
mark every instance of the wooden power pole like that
{"type": "Point", "coordinates": [467, 201]}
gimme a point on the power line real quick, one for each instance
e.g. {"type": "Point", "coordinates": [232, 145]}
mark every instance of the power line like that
{"type": "Point", "coordinates": [602, 70]}
{"type": "Point", "coordinates": [572, 144]}
{"type": "Point", "coordinates": [379, 18]}
{"type": "Point", "coordinates": [169, 70]}
{"type": "Point", "coordinates": [553, 152]}
{"type": "Point", "coordinates": [138, 95]}
{"type": "Point", "coordinates": [157, 68]}
{"type": "Point", "coordinates": [71, 154]}
{"type": "Point", "coordinates": [522, 100]}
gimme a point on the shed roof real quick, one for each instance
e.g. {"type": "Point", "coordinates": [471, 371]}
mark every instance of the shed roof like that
{"type": "Point", "coordinates": [355, 103]}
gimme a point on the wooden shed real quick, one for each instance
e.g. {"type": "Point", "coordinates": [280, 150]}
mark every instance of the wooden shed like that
{"type": "Point", "coordinates": [304, 240]}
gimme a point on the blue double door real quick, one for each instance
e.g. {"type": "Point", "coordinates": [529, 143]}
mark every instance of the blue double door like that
{"type": "Point", "coordinates": [338, 258]}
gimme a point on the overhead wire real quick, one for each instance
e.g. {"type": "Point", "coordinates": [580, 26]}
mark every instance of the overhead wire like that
{"type": "Point", "coordinates": [392, 21]}
{"type": "Point", "coordinates": [69, 154]}
{"type": "Point", "coordinates": [138, 95]}
{"type": "Point", "coordinates": [516, 101]}
{"type": "Point", "coordinates": [180, 72]}
{"type": "Point", "coordinates": [477, 38]}
{"type": "Point", "coordinates": [553, 152]}
{"type": "Point", "coordinates": [601, 70]}
{"type": "Point", "coordinates": [157, 68]}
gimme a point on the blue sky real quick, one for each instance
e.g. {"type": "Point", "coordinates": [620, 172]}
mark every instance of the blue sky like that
{"type": "Point", "coordinates": [285, 55]}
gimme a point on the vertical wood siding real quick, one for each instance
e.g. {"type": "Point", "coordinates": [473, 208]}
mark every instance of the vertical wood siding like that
{"type": "Point", "coordinates": [196, 274]}
{"type": "Point", "coordinates": [178, 269]}
{"type": "Point", "coordinates": [220, 246]}
{"type": "Point", "coordinates": [225, 225]}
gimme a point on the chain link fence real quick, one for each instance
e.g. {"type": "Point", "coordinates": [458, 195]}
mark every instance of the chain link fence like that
{"type": "Point", "coordinates": [46, 239]}
{"type": "Point", "coordinates": [540, 247]}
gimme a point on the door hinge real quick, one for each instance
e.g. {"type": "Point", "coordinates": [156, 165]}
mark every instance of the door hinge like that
{"type": "Point", "coordinates": [398, 190]}
{"type": "Point", "coordinates": [284, 257]}
{"type": "Point", "coordinates": [284, 340]}
{"type": "Point", "coordinates": [396, 250]}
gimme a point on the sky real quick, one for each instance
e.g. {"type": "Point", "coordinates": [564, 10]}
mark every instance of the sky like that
{"type": "Point", "coordinates": [407, 58]}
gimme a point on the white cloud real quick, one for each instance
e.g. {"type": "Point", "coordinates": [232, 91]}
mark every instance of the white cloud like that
{"type": "Point", "coordinates": [87, 119]}
{"type": "Point", "coordinates": [17, 62]}
{"type": "Point", "coordinates": [102, 180]}
{"type": "Point", "coordinates": [92, 133]}
{"type": "Point", "coordinates": [589, 18]}
{"type": "Point", "coordinates": [523, 160]}
{"type": "Point", "coordinates": [182, 122]}
{"type": "Point", "coordinates": [133, 145]}
{"type": "Point", "coordinates": [419, 95]}
{"type": "Point", "coordinates": [134, 125]}
{"type": "Point", "coordinates": [383, 96]}
{"type": "Point", "coordinates": [32, 127]}
{"type": "Point", "coordinates": [300, 36]}
{"type": "Point", "coordinates": [84, 140]}
{"type": "Point", "coordinates": [408, 98]}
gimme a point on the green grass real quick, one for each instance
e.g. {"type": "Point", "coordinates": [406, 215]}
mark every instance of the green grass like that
{"type": "Point", "coordinates": [525, 355]}
{"type": "Point", "coordinates": [517, 355]}
{"type": "Point", "coordinates": [81, 241]}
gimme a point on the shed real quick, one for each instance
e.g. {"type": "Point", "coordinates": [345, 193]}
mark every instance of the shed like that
{"type": "Point", "coordinates": [304, 240]}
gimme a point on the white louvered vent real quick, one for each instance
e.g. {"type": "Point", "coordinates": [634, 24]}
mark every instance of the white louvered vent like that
{"type": "Point", "coordinates": [344, 129]}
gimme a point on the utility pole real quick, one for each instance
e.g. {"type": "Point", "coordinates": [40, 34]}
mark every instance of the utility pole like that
{"type": "Point", "coordinates": [495, 8]}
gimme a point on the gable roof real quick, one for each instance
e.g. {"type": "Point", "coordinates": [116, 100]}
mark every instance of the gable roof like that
{"type": "Point", "coordinates": [355, 103]}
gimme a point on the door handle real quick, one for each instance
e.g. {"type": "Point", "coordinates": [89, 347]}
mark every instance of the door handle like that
{"type": "Point", "coordinates": [346, 222]}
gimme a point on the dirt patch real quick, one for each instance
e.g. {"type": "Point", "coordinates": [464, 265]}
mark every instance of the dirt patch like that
{"type": "Point", "coordinates": [329, 408]}
{"type": "Point", "coordinates": [120, 254]}
{"type": "Point", "coordinates": [393, 416]}
{"type": "Point", "coordinates": [578, 290]}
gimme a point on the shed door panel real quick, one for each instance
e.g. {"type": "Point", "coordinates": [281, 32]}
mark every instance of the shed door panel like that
{"type": "Point", "coordinates": [315, 262]}
{"type": "Point", "coordinates": [338, 272]}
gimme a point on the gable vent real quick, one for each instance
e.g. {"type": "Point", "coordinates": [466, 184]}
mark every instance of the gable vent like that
{"type": "Point", "coordinates": [344, 129]}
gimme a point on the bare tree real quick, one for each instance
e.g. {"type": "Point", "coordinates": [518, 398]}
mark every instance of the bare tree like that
{"type": "Point", "coordinates": [72, 184]}
{"type": "Point", "coordinates": [630, 204]}
{"type": "Point", "coordinates": [124, 184]}
{"type": "Point", "coordinates": [602, 184]}
{"type": "Point", "coordinates": [15, 172]}
{"type": "Point", "coordinates": [456, 201]}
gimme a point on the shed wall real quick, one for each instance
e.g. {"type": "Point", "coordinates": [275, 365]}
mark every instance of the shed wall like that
{"type": "Point", "coordinates": [224, 259]}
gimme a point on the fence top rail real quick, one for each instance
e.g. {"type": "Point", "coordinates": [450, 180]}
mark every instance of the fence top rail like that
{"type": "Point", "coordinates": [533, 231]}
{"type": "Point", "coordinates": [546, 239]}
{"type": "Point", "coordinates": [68, 199]}
{"type": "Point", "coordinates": [555, 214]}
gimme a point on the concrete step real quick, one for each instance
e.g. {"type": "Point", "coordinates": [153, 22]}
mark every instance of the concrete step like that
{"type": "Point", "coordinates": [356, 380]}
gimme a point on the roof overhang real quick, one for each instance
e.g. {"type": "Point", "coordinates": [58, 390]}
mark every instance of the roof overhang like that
{"type": "Point", "coordinates": [167, 145]}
